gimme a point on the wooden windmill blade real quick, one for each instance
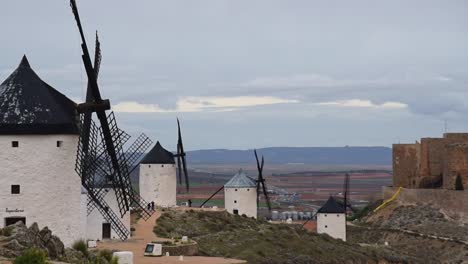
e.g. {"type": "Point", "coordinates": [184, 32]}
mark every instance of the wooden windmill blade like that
{"type": "Point", "coordinates": [346, 192]}
{"type": "Point", "coordinates": [265, 192]}
{"type": "Point", "coordinates": [261, 181]}
{"type": "Point", "coordinates": [258, 178]}
{"type": "Point", "coordinates": [209, 198]}
{"type": "Point", "coordinates": [112, 138]}
{"type": "Point", "coordinates": [99, 106]}
{"type": "Point", "coordinates": [179, 165]}
{"type": "Point", "coordinates": [181, 156]}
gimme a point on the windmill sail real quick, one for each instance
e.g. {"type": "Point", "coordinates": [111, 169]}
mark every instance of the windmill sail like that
{"type": "Point", "coordinates": [100, 156]}
{"type": "Point", "coordinates": [261, 181]}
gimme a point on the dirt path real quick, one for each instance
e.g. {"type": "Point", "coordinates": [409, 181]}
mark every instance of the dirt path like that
{"type": "Point", "coordinates": [144, 234]}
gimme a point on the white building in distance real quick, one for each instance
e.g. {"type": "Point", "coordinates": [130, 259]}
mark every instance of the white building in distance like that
{"type": "Point", "coordinates": [158, 177]}
{"type": "Point", "coordinates": [38, 145]}
{"type": "Point", "coordinates": [240, 195]}
{"type": "Point", "coordinates": [331, 219]}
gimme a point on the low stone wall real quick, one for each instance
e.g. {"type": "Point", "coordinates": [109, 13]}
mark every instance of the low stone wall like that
{"type": "Point", "coordinates": [452, 203]}
{"type": "Point", "coordinates": [181, 250]}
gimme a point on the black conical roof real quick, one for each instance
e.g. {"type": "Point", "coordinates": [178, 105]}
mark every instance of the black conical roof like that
{"type": "Point", "coordinates": [332, 207]}
{"type": "Point", "coordinates": [28, 105]}
{"type": "Point", "coordinates": [158, 155]}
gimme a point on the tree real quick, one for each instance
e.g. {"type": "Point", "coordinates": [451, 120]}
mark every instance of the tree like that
{"type": "Point", "coordinates": [458, 183]}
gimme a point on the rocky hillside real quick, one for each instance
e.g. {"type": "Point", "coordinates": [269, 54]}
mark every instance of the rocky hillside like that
{"type": "Point", "coordinates": [419, 218]}
{"type": "Point", "coordinates": [420, 231]}
{"type": "Point", "coordinates": [17, 239]}
{"type": "Point", "coordinates": [224, 235]}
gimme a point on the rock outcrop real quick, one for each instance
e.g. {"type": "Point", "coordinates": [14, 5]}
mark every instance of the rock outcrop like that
{"type": "Point", "coordinates": [18, 237]}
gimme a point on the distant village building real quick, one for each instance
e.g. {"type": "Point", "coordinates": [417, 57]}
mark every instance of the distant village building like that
{"type": "Point", "coordinates": [240, 195]}
{"type": "Point", "coordinates": [331, 219]}
{"type": "Point", "coordinates": [38, 145]}
{"type": "Point", "coordinates": [432, 163]}
{"type": "Point", "coordinates": [158, 177]}
{"type": "Point", "coordinates": [97, 227]}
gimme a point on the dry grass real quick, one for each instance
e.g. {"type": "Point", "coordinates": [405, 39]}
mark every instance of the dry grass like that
{"type": "Point", "coordinates": [224, 235]}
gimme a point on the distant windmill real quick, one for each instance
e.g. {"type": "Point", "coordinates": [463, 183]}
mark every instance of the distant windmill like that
{"type": "Point", "coordinates": [261, 182]}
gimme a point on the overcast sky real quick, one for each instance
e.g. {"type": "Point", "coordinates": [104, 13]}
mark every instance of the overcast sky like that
{"type": "Point", "coordinates": [244, 74]}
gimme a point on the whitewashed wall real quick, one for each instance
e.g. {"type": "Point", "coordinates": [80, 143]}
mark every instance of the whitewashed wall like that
{"type": "Point", "coordinates": [95, 219]}
{"type": "Point", "coordinates": [84, 213]}
{"type": "Point", "coordinates": [242, 199]}
{"type": "Point", "coordinates": [158, 183]}
{"type": "Point", "coordinates": [50, 187]}
{"type": "Point", "coordinates": [332, 224]}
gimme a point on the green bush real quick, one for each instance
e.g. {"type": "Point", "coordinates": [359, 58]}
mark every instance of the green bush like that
{"type": "Point", "coordinates": [32, 256]}
{"type": "Point", "coordinates": [6, 231]}
{"type": "Point", "coordinates": [80, 245]}
{"type": "Point", "coordinates": [106, 254]}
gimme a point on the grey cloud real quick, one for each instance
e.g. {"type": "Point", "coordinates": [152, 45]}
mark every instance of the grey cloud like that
{"type": "Point", "coordinates": [156, 52]}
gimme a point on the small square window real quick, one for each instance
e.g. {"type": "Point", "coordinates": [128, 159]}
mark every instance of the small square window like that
{"type": "Point", "coordinates": [235, 201]}
{"type": "Point", "coordinates": [15, 189]}
{"type": "Point", "coordinates": [326, 226]}
{"type": "Point", "coordinates": [248, 189]}
{"type": "Point", "coordinates": [59, 143]}
{"type": "Point", "coordinates": [14, 144]}
{"type": "Point", "coordinates": [235, 190]}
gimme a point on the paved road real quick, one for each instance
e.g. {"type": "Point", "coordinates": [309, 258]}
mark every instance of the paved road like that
{"type": "Point", "coordinates": [144, 234]}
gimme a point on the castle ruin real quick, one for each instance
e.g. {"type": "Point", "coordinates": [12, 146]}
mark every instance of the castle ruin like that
{"type": "Point", "coordinates": [432, 163]}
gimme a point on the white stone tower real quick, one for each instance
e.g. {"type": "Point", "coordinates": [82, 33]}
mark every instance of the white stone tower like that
{"type": "Point", "coordinates": [331, 219]}
{"type": "Point", "coordinates": [38, 145]}
{"type": "Point", "coordinates": [97, 227]}
{"type": "Point", "coordinates": [240, 195]}
{"type": "Point", "coordinates": [158, 177]}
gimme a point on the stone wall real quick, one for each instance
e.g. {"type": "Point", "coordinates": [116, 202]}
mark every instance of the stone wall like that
{"type": "Point", "coordinates": [332, 224]}
{"type": "Point", "coordinates": [432, 151]}
{"type": "Point", "coordinates": [242, 199]}
{"type": "Point", "coordinates": [95, 218]}
{"type": "Point", "coordinates": [456, 164]}
{"type": "Point", "coordinates": [50, 189]}
{"type": "Point", "coordinates": [158, 184]}
{"type": "Point", "coordinates": [405, 161]}
{"type": "Point", "coordinates": [452, 203]}
{"type": "Point", "coordinates": [433, 163]}
{"type": "Point", "coordinates": [190, 249]}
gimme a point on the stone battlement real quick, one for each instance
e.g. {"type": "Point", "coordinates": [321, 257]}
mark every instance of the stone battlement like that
{"type": "Point", "coordinates": [432, 163]}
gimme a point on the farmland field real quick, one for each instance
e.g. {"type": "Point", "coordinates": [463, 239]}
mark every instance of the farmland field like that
{"type": "Point", "coordinates": [297, 185]}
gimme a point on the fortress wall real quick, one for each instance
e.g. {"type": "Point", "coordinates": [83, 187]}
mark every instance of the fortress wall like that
{"type": "Point", "coordinates": [405, 164]}
{"type": "Point", "coordinates": [456, 138]}
{"type": "Point", "coordinates": [432, 152]}
{"type": "Point", "coordinates": [453, 203]}
{"type": "Point", "coordinates": [456, 163]}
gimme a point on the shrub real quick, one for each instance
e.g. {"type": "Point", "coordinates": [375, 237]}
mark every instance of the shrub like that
{"type": "Point", "coordinates": [32, 256]}
{"type": "Point", "coordinates": [80, 245]}
{"type": "Point", "coordinates": [114, 260]}
{"type": "Point", "coordinates": [106, 254]}
{"type": "Point", "coordinates": [6, 231]}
